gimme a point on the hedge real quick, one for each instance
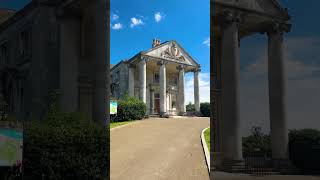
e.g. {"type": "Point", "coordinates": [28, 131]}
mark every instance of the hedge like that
{"type": "Point", "coordinates": [130, 108]}
{"type": "Point", "coordinates": [65, 146]}
{"type": "Point", "coordinates": [205, 109]}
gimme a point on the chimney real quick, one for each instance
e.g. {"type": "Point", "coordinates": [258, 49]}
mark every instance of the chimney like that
{"type": "Point", "coordinates": [155, 43]}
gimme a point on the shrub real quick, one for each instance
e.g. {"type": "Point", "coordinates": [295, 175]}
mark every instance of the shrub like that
{"type": "Point", "coordinates": [256, 143]}
{"type": "Point", "coordinates": [131, 108]}
{"type": "Point", "coordinates": [205, 109]}
{"type": "Point", "coordinates": [190, 107]}
{"type": "Point", "coordinates": [65, 146]}
{"type": "Point", "coordinates": [304, 149]}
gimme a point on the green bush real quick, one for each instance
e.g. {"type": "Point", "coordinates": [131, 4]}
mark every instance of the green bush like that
{"type": "Point", "coordinates": [256, 143]}
{"type": "Point", "coordinates": [205, 109]}
{"type": "Point", "coordinates": [190, 107]}
{"type": "Point", "coordinates": [304, 148]}
{"type": "Point", "coordinates": [65, 146]}
{"type": "Point", "coordinates": [130, 108]}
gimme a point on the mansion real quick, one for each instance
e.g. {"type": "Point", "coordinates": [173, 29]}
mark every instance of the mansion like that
{"type": "Point", "coordinates": [157, 76]}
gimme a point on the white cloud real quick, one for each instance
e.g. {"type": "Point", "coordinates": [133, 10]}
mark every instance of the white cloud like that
{"type": "Point", "coordinates": [302, 87]}
{"type": "Point", "coordinates": [204, 87]}
{"type": "Point", "coordinates": [207, 42]}
{"type": "Point", "coordinates": [158, 17]}
{"type": "Point", "coordinates": [114, 17]}
{"type": "Point", "coordinates": [135, 22]}
{"type": "Point", "coordinates": [117, 26]}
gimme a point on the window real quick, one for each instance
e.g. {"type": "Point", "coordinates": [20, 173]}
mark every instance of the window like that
{"type": "Point", "coordinates": [4, 53]}
{"type": "Point", "coordinates": [156, 78]}
{"type": "Point", "coordinates": [25, 42]}
{"type": "Point", "coordinates": [173, 79]}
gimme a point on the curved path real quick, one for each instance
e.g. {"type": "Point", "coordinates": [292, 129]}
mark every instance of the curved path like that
{"type": "Point", "coordinates": [159, 149]}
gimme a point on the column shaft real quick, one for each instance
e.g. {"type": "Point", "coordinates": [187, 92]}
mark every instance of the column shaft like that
{"type": "Point", "coordinates": [152, 102]}
{"type": "Point", "coordinates": [276, 77]}
{"type": "Point", "coordinates": [231, 137]}
{"type": "Point", "coordinates": [143, 80]}
{"type": "Point", "coordinates": [101, 64]}
{"type": "Point", "coordinates": [181, 91]}
{"type": "Point", "coordinates": [163, 89]}
{"type": "Point", "coordinates": [131, 81]}
{"type": "Point", "coordinates": [196, 91]}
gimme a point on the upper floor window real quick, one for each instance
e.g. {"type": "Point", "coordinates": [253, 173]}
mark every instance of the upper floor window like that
{"type": "Point", "coordinates": [173, 79]}
{"type": "Point", "coordinates": [25, 42]}
{"type": "Point", "coordinates": [156, 78]}
{"type": "Point", "coordinates": [4, 54]}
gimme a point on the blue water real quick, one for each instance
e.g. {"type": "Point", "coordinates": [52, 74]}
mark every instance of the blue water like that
{"type": "Point", "coordinates": [11, 133]}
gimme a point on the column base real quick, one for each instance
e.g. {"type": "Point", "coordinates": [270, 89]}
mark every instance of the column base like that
{"type": "Point", "coordinates": [227, 165]}
{"type": "Point", "coordinates": [182, 113]}
{"type": "Point", "coordinates": [164, 115]}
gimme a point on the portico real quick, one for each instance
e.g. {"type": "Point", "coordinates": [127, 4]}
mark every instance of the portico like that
{"type": "Point", "coordinates": [157, 77]}
{"type": "Point", "coordinates": [231, 22]}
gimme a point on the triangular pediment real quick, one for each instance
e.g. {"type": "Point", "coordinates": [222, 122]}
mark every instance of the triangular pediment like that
{"type": "Point", "coordinates": [268, 7]}
{"type": "Point", "coordinates": [171, 51]}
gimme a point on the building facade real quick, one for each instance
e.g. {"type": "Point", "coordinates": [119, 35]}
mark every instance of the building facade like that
{"type": "Point", "coordinates": [53, 45]}
{"type": "Point", "coordinates": [157, 77]}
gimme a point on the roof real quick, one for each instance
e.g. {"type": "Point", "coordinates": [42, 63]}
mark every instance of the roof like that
{"type": "Point", "coordinates": [5, 14]}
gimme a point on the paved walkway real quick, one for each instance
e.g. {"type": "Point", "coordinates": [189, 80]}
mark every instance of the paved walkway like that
{"type": "Point", "coordinates": [159, 149]}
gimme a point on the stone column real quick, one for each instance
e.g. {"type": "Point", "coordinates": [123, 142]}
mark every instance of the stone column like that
{"type": "Point", "coordinates": [131, 80]}
{"type": "Point", "coordinates": [163, 88]}
{"type": "Point", "coordinates": [182, 107]}
{"type": "Point", "coordinates": [277, 95]}
{"type": "Point", "coordinates": [151, 101]}
{"type": "Point", "coordinates": [196, 91]}
{"type": "Point", "coordinates": [101, 64]}
{"type": "Point", "coordinates": [143, 79]}
{"type": "Point", "coordinates": [231, 137]}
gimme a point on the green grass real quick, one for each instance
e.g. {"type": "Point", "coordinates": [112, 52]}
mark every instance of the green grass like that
{"type": "Point", "coordinates": [207, 137]}
{"type": "Point", "coordinates": [116, 124]}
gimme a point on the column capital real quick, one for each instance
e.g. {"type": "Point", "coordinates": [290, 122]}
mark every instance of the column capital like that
{"type": "Point", "coordinates": [162, 62]}
{"type": "Point", "coordinates": [198, 69]}
{"type": "Point", "coordinates": [278, 28]}
{"type": "Point", "coordinates": [230, 16]}
{"type": "Point", "coordinates": [131, 65]}
{"type": "Point", "coordinates": [180, 67]}
{"type": "Point", "coordinates": [145, 59]}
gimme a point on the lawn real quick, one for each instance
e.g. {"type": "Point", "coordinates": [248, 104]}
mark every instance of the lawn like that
{"type": "Point", "coordinates": [207, 137]}
{"type": "Point", "coordinates": [116, 124]}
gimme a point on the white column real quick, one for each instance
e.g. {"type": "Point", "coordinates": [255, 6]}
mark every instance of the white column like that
{"type": "Point", "coordinates": [231, 137]}
{"type": "Point", "coordinates": [143, 79]}
{"type": "Point", "coordinates": [131, 80]}
{"type": "Point", "coordinates": [196, 91]}
{"type": "Point", "coordinates": [181, 90]}
{"type": "Point", "coordinates": [101, 64]}
{"type": "Point", "coordinates": [151, 101]}
{"type": "Point", "coordinates": [163, 88]}
{"type": "Point", "coordinates": [277, 94]}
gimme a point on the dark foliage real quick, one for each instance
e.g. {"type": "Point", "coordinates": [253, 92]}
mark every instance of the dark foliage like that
{"type": "Point", "coordinates": [205, 109]}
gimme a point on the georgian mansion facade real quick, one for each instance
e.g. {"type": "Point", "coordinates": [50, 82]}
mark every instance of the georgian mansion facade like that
{"type": "Point", "coordinates": [157, 77]}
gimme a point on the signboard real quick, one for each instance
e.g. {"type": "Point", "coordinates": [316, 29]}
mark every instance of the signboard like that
{"type": "Point", "coordinates": [113, 107]}
{"type": "Point", "coordinates": [10, 147]}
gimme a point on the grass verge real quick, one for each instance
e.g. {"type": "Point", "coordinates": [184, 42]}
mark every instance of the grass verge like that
{"type": "Point", "coordinates": [207, 137]}
{"type": "Point", "coordinates": [116, 124]}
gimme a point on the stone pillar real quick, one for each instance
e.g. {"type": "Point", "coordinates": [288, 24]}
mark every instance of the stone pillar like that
{"type": "Point", "coordinates": [196, 91]}
{"type": "Point", "coordinates": [143, 79]}
{"type": "Point", "coordinates": [231, 137]}
{"type": "Point", "coordinates": [277, 95]}
{"type": "Point", "coordinates": [151, 101]}
{"type": "Point", "coordinates": [163, 88]}
{"type": "Point", "coordinates": [182, 107]}
{"type": "Point", "coordinates": [101, 64]}
{"type": "Point", "coordinates": [131, 80]}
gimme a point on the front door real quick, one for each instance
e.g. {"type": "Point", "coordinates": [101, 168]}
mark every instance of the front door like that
{"type": "Point", "coordinates": [157, 103]}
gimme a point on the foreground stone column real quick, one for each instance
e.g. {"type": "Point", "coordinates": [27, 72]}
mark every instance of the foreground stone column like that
{"type": "Point", "coordinates": [143, 79]}
{"type": "Point", "coordinates": [131, 80]}
{"type": "Point", "coordinates": [101, 64]}
{"type": "Point", "coordinates": [163, 88]}
{"type": "Point", "coordinates": [151, 101]}
{"type": "Point", "coordinates": [181, 90]}
{"type": "Point", "coordinates": [277, 94]}
{"type": "Point", "coordinates": [231, 137]}
{"type": "Point", "coordinates": [196, 91]}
